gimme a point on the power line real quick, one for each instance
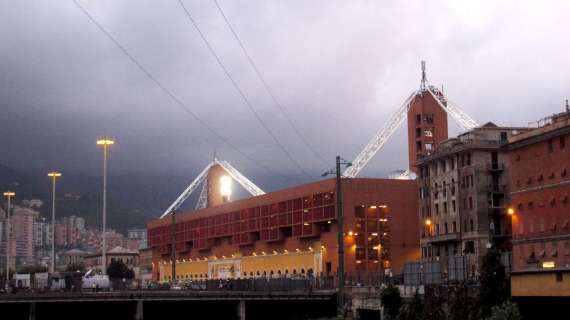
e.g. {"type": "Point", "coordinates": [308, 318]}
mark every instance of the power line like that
{"type": "Point", "coordinates": [240, 92]}
{"type": "Point", "coordinates": [168, 92]}
{"type": "Point", "coordinates": [266, 86]}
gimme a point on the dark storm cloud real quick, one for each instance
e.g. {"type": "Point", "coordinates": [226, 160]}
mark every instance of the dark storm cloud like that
{"type": "Point", "coordinates": [341, 68]}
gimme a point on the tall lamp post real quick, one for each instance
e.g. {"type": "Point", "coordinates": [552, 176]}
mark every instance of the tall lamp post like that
{"type": "Point", "coordinates": [53, 175]}
{"type": "Point", "coordinates": [340, 233]}
{"type": "Point", "coordinates": [105, 143]}
{"type": "Point", "coordinates": [8, 195]}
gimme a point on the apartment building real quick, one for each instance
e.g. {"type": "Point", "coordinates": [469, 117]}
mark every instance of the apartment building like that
{"type": "Point", "coordinates": [462, 189]}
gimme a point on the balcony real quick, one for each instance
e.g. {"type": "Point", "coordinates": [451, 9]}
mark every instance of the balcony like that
{"type": "Point", "coordinates": [444, 238]}
{"type": "Point", "coordinates": [494, 166]}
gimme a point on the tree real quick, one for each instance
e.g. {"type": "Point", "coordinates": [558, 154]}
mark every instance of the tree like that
{"type": "Point", "coordinates": [461, 307]}
{"type": "Point", "coordinates": [434, 304]}
{"type": "Point", "coordinates": [507, 311]}
{"type": "Point", "coordinates": [117, 269]}
{"type": "Point", "coordinates": [494, 287]}
{"type": "Point", "coordinates": [391, 301]}
{"type": "Point", "coordinates": [412, 310]}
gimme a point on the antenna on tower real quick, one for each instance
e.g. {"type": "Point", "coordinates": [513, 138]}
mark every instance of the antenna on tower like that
{"type": "Point", "coordinates": [567, 106]}
{"type": "Point", "coordinates": [424, 79]}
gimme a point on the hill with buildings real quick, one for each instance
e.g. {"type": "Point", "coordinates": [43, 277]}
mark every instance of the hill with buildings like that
{"type": "Point", "coordinates": [131, 199]}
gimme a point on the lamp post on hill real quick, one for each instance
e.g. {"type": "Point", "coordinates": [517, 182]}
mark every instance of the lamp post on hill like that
{"type": "Point", "coordinates": [53, 175]}
{"type": "Point", "coordinates": [8, 195]}
{"type": "Point", "coordinates": [105, 143]}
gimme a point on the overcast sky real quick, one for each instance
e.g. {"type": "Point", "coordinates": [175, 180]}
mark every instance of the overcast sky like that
{"type": "Point", "coordinates": [339, 68]}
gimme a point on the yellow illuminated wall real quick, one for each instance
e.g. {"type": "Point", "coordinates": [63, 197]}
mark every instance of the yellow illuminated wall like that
{"type": "Point", "coordinates": [270, 264]}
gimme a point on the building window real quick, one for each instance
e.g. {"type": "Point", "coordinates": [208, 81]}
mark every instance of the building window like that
{"type": "Point", "coordinates": [471, 203]}
{"type": "Point", "coordinates": [470, 247]}
{"type": "Point", "coordinates": [445, 228]}
{"type": "Point", "coordinates": [418, 118]}
{"type": "Point", "coordinates": [471, 225]}
{"type": "Point", "coordinates": [436, 209]}
{"type": "Point", "coordinates": [418, 132]}
{"type": "Point", "coordinates": [453, 205]}
{"type": "Point", "coordinates": [419, 145]}
{"type": "Point", "coordinates": [562, 142]}
{"type": "Point", "coordinates": [454, 227]}
{"type": "Point", "coordinates": [445, 207]}
{"type": "Point", "coordinates": [550, 146]}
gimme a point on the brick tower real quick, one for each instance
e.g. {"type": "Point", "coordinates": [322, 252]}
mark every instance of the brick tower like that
{"type": "Point", "coordinates": [427, 123]}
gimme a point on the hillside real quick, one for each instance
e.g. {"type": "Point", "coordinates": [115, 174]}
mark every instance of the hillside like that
{"type": "Point", "coordinates": [131, 199]}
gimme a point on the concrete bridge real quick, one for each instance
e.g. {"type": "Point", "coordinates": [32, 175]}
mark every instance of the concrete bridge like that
{"type": "Point", "coordinates": [139, 305]}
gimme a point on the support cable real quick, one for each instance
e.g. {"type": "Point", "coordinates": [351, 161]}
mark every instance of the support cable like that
{"type": "Point", "coordinates": [239, 91]}
{"type": "Point", "coordinates": [267, 89]}
{"type": "Point", "coordinates": [169, 93]}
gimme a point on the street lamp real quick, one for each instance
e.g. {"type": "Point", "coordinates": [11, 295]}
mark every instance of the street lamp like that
{"type": "Point", "coordinates": [8, 195]}
{"type": "Point", "coordinates": [53, 175]}
{"type": "Point", "coordinates": [340, 234]}
{"type": "Point", "coordinates": [105, 143]}
{"type": "Point", "coordinates": [510, 211]}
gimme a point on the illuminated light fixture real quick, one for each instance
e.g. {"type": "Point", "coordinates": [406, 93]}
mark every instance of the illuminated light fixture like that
{"type": "Point", "coordinates": [510, 211]}
{"type": "Point", "coordinates": [356, 233]}
{"type": "Point", "coordinates": [358, 261]}
{"type": "Point", "coordinates": [374, 234]}
{"type": "Point", "coordinates": [105, 142]}
{"type": "Point", "coordinates": [375, 248]}
{"type": "Point", "coordinates": [384, 206]}
{"type": "Point", "coordinates": [311, 249]}
{"type": "Point", "coordinates": [263, 253]}
{"type": "Point", "coordinates": [254, 254]}
{"type": "Point", "coordinates": [285, 251]}
{"type": "Point", "coordinates": [205, 259]}
{"type": "Point", "coordinates": [428, 222]}
{"type": "Point", "coordinates": [183, 260]}
{"type": "Point", "coordinates": [323, 248]}
{"type": "Point", "coordinates": [297, 250]}
{"type": "Point", "coordinates": [226, 186]}
{"type": "Point", "coordinates": [305, 210]}
{"type": "Point", "coordinates": [375, 261]}
{"type": "Point", "coordinates": [223, 257]}
{"type": "Point", "coordinates": [373, 207]}
{"type": "Point", "coordinates": [9, 194]}
{"type": "Point", "coordinates": [306, 224]}
{"type": "Point", "coordinates": [350, 233]}
{"type": "Point", "coordinates": [233, 255]}
{"type": "Point", "coordinates": [385, 233]}
{"type": "Point", "coordinates": [329, 222]}
{"type": "Point", "coordinates": [190, 260]}
{"type": "Point", "coordinates": [54, 174]}
{"type": "Point", "coordinates": [548, 264]}
{"type": "Point", "coordinates": [274, 252]}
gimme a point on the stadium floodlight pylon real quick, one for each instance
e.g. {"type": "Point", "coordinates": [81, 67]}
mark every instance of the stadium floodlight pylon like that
{"type": "Point", "coordinates": [384, 134]}
{"type": "Point", "coordinates": [202, 179]}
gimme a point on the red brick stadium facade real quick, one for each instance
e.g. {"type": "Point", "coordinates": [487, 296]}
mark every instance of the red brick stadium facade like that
{"type": "Point", "coordinates": [380, 229]}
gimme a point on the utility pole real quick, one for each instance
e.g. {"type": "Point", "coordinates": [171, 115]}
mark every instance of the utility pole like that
{"type": "Point", "coordinates": [173, 251]}
{"type": "Point", "coordinates": [340, 233]}
{"type": "Point", "coordinates": [340, 239]}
